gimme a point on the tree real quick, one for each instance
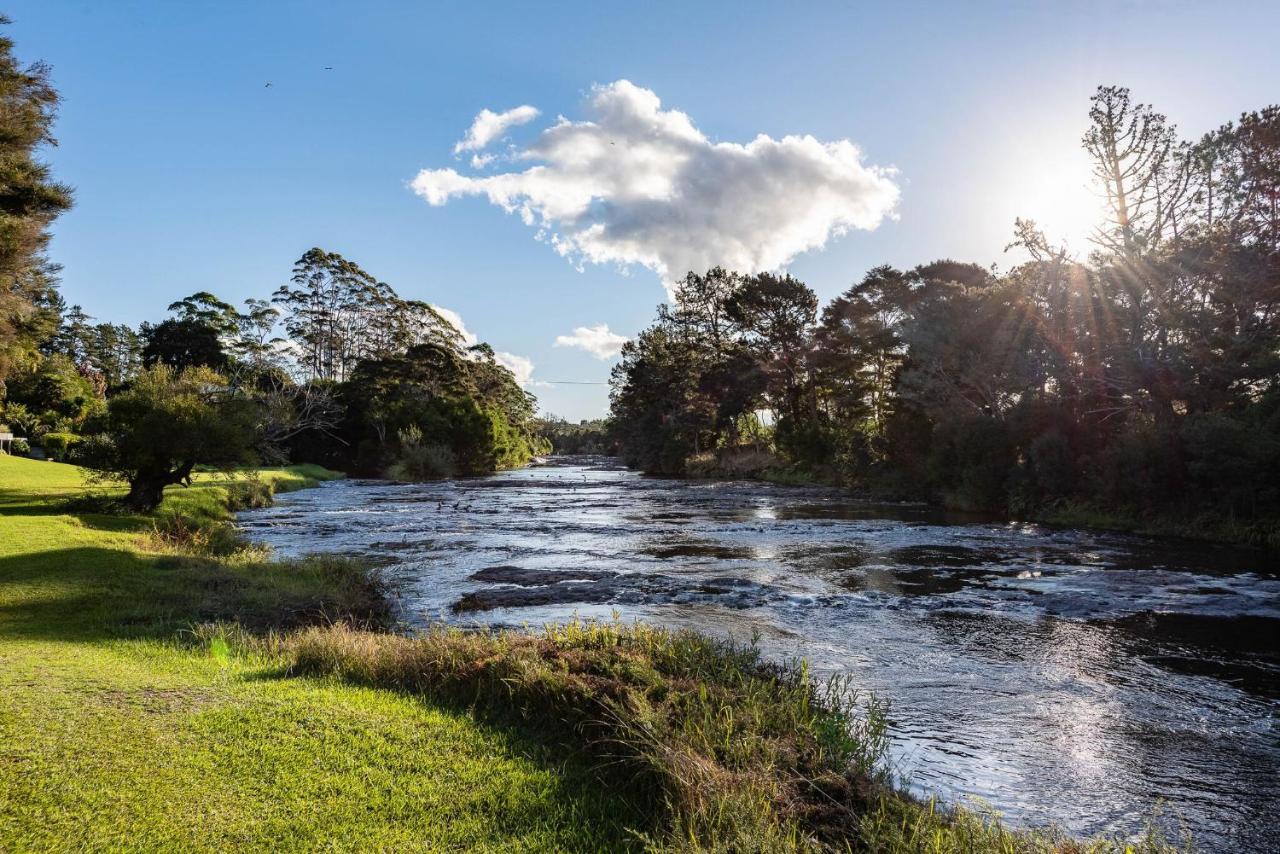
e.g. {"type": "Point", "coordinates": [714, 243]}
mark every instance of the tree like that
{"type": "Point", "coordinates": [338, 314]}
{"type": "Point", "coordinates": [58, 392]}
{"type": "Point", "coordinates": [168, 422]}
{"type": "Point", "coordinates": [205, 308]}
{"type": "Point", "coordinates": [1141, 167]}
{"type": "Point", "coordinates": [116, 350]}
{"type": "Point", "coordinates": [254, 344]}
{"type": "Point", "coordinates": [29, 201]}
{"type": "Point", "coordinates": [183, 344]}
{"type": "Point", "coordinates": [433, 394]}
{"type": "Point", "coordinates": [860, 349]}
{"type": "Point", "coordinates": [72, 338]}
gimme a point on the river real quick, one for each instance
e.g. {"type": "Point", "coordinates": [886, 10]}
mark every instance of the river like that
{"type": "Point", "coordinates": [1095, 681]}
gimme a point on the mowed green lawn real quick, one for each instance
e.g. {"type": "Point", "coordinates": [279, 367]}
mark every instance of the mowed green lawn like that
{"type": "Point", "coordinates": [116, 733]}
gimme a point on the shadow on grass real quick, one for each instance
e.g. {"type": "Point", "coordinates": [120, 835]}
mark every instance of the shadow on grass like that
{"type": "Point", "coordinates": [94, 595]}
{"type": "Point", "coordinates": [91, 593]}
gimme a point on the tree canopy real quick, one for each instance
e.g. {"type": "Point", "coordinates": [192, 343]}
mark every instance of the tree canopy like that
{"type": "Point", "coordinates": [1128, 379]}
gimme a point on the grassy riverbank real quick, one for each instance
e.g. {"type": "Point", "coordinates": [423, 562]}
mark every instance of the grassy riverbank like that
{"type": "Point", "coordinates": [163, 687]}
{"type": "Point", "coordinates": [120, 729]}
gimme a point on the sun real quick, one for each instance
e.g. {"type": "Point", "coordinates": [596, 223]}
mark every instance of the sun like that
{"type": "Point", "coordinates": [1055, 189]}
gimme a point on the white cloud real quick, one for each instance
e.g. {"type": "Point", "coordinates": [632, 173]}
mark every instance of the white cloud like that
{"type": "Point", "coordinates": [489, 126]}
{"type": "Point", "coordinates": [637, 184]}
{"type": "Point", "coordinates": [596, 340]}
{"type": "Point", "coordinates": [468, 337]}
{"type": "Point", "coordinates": [520, 366]}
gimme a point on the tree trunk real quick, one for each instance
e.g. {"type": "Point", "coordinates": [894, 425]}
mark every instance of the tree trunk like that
{"type": "Point", "coordinates": [146, 493]}
{"type": "Point", "coordinates": [146, 489]}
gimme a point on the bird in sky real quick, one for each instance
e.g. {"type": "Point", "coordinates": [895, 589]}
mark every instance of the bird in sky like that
{"type": "Point", "coordinates": [268, 86]}
{"type": "Point", "coordinates": [328, 68]}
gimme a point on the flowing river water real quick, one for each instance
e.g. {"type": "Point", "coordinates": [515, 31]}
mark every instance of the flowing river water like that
{"type": "Point", "coordinates": [1094, 681]}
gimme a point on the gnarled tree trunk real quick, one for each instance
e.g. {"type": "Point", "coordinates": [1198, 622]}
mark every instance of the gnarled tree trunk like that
{"type": "Point", "coordinates": [146, 489]}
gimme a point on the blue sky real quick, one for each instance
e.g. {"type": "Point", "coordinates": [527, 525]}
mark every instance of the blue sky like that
{"type": "Point", "coordinates": [191, 174]}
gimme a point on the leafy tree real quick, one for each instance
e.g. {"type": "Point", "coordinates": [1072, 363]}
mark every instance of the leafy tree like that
{"type": "Point", "coordinates": [442, 399]}
{"type": "Point", "coordinates": [585, 437]}
{"type": "Point", "coordinates": [115, 350]}
{"type": "Point", "coordinates": [775, 315]}
{"type": "Point", "coordinates": [860, 349]}
{"type": "Point", "coordinates": [337, 314]}
{"type": "Point", "coordinates": [254, 343]}
{"type": "Point", "coordinates": [181, 344]}
{"type": "Point", "coordinates": [1141, 167]}
{"type": "Point", "coordinates": [72, 338]}
{"type": "Point", "coordinates": [204, 308]}
{"type": "Point", "coordinates": [61, 394]}
{"type": "Point", "coordinates": [164, 425]}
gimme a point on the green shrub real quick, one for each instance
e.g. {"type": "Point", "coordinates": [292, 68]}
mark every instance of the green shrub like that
{"type": "Point", "coordinates": [420, 461]}
{"type": "Point", "coordinates": [58, 445]}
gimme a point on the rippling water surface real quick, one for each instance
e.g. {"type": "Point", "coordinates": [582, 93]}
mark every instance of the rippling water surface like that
{"type": "Point", "coordinates": [1062, 676]}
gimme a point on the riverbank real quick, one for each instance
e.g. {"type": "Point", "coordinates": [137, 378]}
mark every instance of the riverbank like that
{"type": "Point", "coordinates": [1204, 525]}
{"type": "Point", "coordinates": [122, 728]}
{"type": "Point", "coordinates": [244, 732]}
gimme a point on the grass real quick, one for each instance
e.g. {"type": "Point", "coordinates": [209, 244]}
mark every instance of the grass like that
{"type": "Point", "coordinates": [163, 687]}
{"type": "Point", "coordinates": [122, 729]}
{"type": "Point", "coordinates": [725, 751]}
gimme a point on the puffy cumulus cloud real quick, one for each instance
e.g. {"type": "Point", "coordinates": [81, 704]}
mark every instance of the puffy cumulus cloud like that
{"type": "Point", "coordinates": [455, 320]}
{"type": "Point", "coordinates": [489, 126]}
{"type": "Point", "coordinates": [637, 184]}
{"type": "Point", "coordinates": [596, 340]}
{"type": "Point", "coordinates": [520, 366]}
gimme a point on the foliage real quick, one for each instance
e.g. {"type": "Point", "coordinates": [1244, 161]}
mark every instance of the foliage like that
{"type": "Point", "coordinates": [167, 423]}
{"type": "Point", "coordinates": [447, 398]}
{"type": "Point", "coordinates": [54, 396]}
{"type": "Point", "coordinates": [338, 314]}
{"type": "Point", "coordinates": [1144, 379]}
{"type": "Point", "coordinates": [418, 461]}
{"type": "Point", "coordinates": [585, 437]}
{"type": "Point", "coordinates": [58, 445]}
{"type": "Point", "coordinates": [29, 201]}
{"type": "Point", "coordinates": [185, 343]}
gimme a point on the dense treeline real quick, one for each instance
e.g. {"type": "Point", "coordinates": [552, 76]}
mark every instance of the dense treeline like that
{"type": "Point", "coordinates": [1139, 382]}
{"type": "Point", "coordinates": [363, 381]}
{"type": "Point", "coordinates": [585, 437]}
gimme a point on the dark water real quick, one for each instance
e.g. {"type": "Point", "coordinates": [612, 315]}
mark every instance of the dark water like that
{"type": "Point", "coordinates": [1089, 680]}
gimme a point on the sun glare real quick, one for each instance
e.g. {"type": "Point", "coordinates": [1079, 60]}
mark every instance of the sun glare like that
{"type": "Point", "coordinates": [1054, 189]}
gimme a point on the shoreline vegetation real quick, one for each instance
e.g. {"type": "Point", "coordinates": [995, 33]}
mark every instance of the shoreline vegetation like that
{"type": "Point", "coordinates": [1201, 526]}
{"type": "Point", "coordinates": [161, 678]}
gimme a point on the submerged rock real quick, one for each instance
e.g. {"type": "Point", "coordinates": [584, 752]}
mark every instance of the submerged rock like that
{"type": "Point", "coordinates": [524, 576]}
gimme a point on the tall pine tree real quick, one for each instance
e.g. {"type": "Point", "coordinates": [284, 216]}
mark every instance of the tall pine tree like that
{"type": "Point", "coordinates": [29, 201]}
